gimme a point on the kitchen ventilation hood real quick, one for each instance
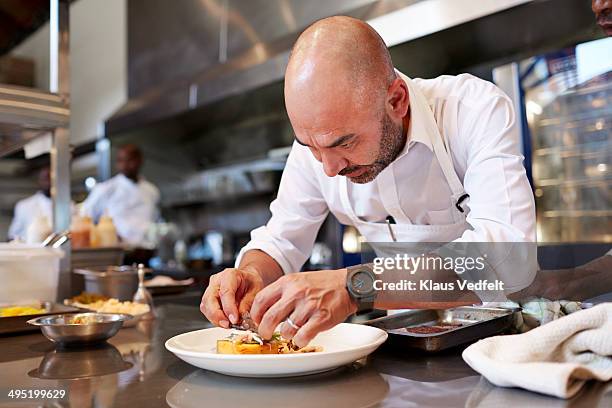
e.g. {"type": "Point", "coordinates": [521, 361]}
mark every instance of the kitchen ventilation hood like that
{"type": "Point", "coordinates": [426, 38]}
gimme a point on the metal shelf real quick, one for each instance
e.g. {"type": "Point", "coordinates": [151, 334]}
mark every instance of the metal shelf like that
{"type": "Point", "coordinates": [590, 181]}
{"type": "Point", "coordinates": [577, 213]}
{"type": "Point", "coordinates": [27, 113]}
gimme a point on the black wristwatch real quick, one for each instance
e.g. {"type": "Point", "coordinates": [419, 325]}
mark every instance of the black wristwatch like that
{"type": "Point", "coordinates": [360, 285]}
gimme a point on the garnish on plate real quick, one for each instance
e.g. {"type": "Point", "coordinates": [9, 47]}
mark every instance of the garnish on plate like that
{"type": "Point", "coordinates": [248, 342]}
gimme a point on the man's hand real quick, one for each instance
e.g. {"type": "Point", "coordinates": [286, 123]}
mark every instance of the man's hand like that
{"type": "Point", "coordinates": [314, 301]}
{"type": "Point", "coordinates": [230, 294]}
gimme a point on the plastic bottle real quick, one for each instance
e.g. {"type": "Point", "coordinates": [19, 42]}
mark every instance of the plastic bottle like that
{"type": "Point", "coordinates": [38, 230]}
{"type": "Point", "coordinates": [80, 232]}
{"type": "Point", "coordinates": [106, 232]}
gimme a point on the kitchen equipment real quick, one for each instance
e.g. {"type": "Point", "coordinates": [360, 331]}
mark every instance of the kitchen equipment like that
{"type": "Point", "coordinates": [143, 296]}
{"type": "Point", "coordinates": [465, 324]}
{"type": "Point", "coordinates": [59, 329]}
{"type": "Point", "coordinates": [343, 344]}
{"type": "Point", "coordinates": [17, 324]}
{"type": "Point", "coordinates": [28, 273]}
{"type": "Point", "coordinates": [119, 282]}
{"type": "Point", "coordinates": [96, 257]}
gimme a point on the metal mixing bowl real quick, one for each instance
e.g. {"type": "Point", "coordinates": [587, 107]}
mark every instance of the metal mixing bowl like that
{"type": "Point", "coordinates": [60, 329]}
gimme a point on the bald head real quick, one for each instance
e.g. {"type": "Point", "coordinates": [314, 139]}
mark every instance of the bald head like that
{"type": "Point", "coordinates": [344, 99]}
{"type": "Point", "coordinates": [342, 56]}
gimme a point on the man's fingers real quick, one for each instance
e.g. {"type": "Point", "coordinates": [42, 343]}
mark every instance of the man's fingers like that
{"type": "Point", "coordinates": [276, 314]}
{"type": "Point", "coordinates": [211, 307]}
{"type": "Point", "coordinates": [265, 299]}
{"type": "Point", "coordinates": [227, 292]}
{"type": "Point", "coordinates": [313, 326]}
{"type": "Point", "coordinates": [247, 301]}
{"type": "Point", "coordinates": [299, 317]}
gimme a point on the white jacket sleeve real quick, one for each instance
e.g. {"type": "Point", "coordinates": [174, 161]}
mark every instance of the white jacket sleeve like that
{"type": "Point", "coordinates": [95, 203]}
{"type": "Point", "coordinates": [297, 214]}
{"type": "Point", "coordinates": [502, 208]}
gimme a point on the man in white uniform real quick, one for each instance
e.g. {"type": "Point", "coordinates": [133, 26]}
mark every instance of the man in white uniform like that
{"type": "Point", "coordinates": [29, 209]}
{"type": "Point", "coordinates": [129, 199]}
{"type": "Point", "coordinates": [440, 157]}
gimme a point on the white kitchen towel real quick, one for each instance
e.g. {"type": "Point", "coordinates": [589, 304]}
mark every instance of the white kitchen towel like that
{"type": "Point", "coordinates": [555, 359]}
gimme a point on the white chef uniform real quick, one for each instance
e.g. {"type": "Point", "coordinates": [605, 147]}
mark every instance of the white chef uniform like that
{"type": "Point", "coordinates": [462, 139]}
{"type": "Point", "coordinates": [132, 206]}
{"type": "Point", "coordinates": [26, 211]}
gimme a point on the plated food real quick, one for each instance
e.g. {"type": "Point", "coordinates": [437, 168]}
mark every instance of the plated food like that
{"type": "Point", "coordinates": [340, 345]}
{"type": "Point", "coordinates": [247, 342]}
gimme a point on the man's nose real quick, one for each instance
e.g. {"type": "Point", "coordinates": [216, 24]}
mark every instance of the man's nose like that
{"type": "Point", "coordinates": [333, 164]}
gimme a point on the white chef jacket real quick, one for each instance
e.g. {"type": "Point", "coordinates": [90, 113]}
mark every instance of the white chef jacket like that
{"type": "Point", "coordinates": [26, 211]}
{"type": "Point", "coordinates": [478, 122]}
{"type": "Point", "coordinates": [132, 206]}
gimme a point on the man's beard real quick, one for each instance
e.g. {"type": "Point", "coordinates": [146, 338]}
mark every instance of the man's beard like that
{"type": "Point", "coordinates": [392, 142]}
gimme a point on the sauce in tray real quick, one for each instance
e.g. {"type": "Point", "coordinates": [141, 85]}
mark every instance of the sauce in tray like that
{"type": "Point", "coordinates": [432, 329]}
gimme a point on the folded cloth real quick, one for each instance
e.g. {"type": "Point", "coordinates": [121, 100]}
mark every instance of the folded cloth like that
{"type": "Point", "coordinates": [555, 359]}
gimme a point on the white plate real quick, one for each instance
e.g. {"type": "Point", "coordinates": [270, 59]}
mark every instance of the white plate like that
{"type": "Point", "coordinates": [342, 344]}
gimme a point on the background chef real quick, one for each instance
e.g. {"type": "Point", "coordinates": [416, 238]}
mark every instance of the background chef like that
{"type": "Point", "coordinates": [129, 199]}
{"type": "Point", "coordinates": [439, 156]}
{"type": "Point", "coordinates": [29, 209]}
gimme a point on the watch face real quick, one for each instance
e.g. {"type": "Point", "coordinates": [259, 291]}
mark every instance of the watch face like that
{"type": "Point", "coordinates": [362, 283]}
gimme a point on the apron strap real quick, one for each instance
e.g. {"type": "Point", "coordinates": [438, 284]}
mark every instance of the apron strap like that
{"type": "Point", "coordinates": [440, 149]}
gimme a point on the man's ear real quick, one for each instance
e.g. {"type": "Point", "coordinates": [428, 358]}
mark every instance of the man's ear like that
{"type": "Point", "coordinates": [398, 99]}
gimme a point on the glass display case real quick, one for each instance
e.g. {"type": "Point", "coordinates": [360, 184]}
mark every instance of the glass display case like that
{"type": "Point", "coordinates": [566, 98]}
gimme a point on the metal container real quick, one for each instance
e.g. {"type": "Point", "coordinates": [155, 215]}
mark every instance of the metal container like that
{"type": "Point", "coordinates": [475, 323]}
{"type": "Point", "coordinates": [60, 329]}
{"type": "Point", "coordinates": [96, 257]}
{"type": "Point", "coordinates": [17, 324]}
{"type": "Point", "coordinates": [119, 282]}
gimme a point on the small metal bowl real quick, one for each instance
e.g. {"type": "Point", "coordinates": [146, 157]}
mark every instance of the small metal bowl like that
{"type": "Point", "coordinates": [60, 329]}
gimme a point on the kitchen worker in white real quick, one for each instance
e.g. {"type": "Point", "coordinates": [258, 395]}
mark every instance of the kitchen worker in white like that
{"type": "Point", "coordinates": [129, 199]}
{"type": "Point", "coordinates": [440, 156]}
{"type": "Point", "coordinates": [29, 209]}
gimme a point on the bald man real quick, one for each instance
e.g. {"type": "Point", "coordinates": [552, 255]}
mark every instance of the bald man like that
{"type": "Point", "coordinates": [129, 199]}
{"type": "Point", "coordinates": [400, 159]}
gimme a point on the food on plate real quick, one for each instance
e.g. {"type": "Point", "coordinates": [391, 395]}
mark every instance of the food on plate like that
{"type": "Point", "coordinates": [20, 311]}
{"type": "Point", "coordinates": [82, 319]}
{"type": "Point", "coordinates": [432, 329]}
{"type": "Point", "coordinates": [86, 297]}
{"type": "Point", "coordinates": [247, 342]}
{"type": "Point", "coordinates": [113, 305]}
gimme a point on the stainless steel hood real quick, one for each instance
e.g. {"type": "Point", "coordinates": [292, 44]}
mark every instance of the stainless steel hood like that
{"type": "Point", "coordinates": [249, 44]}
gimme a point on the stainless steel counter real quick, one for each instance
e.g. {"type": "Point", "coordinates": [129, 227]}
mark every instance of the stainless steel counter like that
{"type": "Point", "coordinates": [135, 370]}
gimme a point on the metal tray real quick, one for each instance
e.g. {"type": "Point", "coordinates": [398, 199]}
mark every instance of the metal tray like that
{"type": "Point", "coordinates": [17, 324]}
{"type": "Point", "coordinates": [476, 323]}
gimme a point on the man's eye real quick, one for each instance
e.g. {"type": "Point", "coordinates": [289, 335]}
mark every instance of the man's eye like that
{"type": "Point", "coordinates": [346, 145]}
